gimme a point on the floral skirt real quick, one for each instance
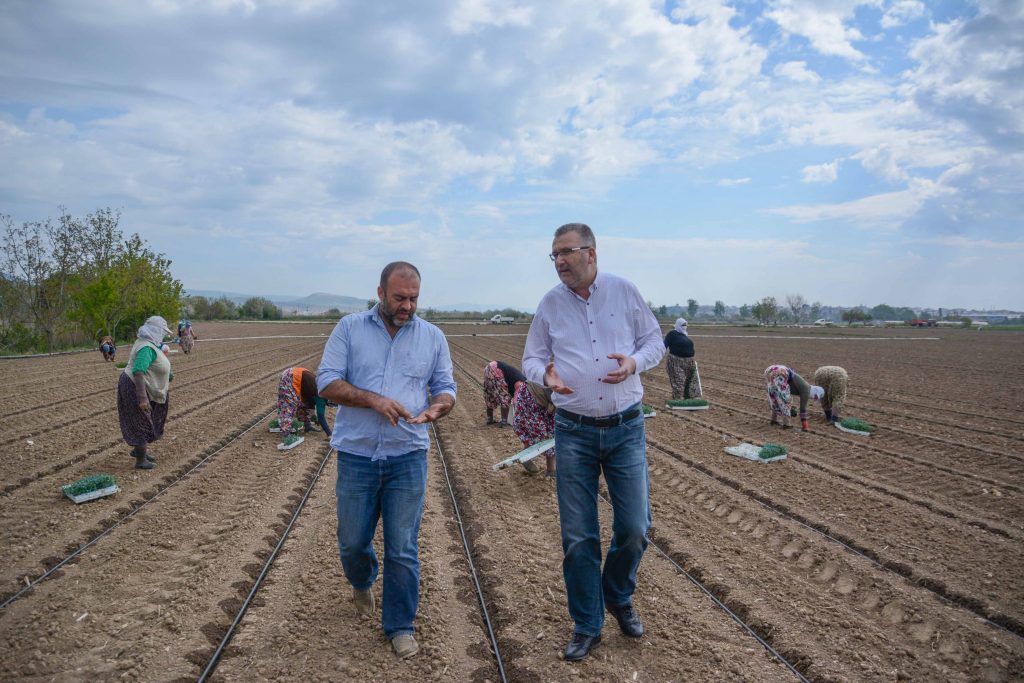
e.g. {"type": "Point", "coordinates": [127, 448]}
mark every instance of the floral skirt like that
{"type": "Point", "coordinates": [776, 379]}
{"type": "Point", "coordinates": [289, 405]}
{"type": "Point", "coordinates": [531, 423]}
{"type": "Point", "coordinates": [833, 379]}
{"type": "Point", "coordinates": [682, 375]}
{"type": "Point", "coordinates": [138, 428]}
{"type": "Point", "coordinates": [495, 389]}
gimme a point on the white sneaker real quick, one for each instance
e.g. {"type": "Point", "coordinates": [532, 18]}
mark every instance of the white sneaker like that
{"type": "Point", "coordinates": [290, 442]}
{"type": "Point", "coordinates": [405, 645]}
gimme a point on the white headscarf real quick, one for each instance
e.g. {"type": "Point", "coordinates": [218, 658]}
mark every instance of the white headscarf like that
{"type": "Point", "coordinates": [153, 330]}
{"type": "Point", "coordinates": [817, 392]}
{"type": "Point", "coordinates": [681, 325]}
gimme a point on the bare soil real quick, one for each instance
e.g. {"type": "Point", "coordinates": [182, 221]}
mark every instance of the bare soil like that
{"type": "Point", "coordinates": [893, 557]}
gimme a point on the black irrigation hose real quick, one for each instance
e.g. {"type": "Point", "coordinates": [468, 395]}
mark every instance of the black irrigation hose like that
{"type": "Point", "coordinates": [744, 625]}
{"type": "Point", "coordinates": [49, 572]}
{"type": "Point", "coordinates": [696, 583]}
{"type": "Point", "coordinates": [215, 659]}
{"type": "Point", "coordinates": [469, 560]}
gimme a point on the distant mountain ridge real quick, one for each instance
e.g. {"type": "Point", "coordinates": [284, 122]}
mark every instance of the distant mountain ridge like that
{"type": "Point", "coordinates": [318, 302]}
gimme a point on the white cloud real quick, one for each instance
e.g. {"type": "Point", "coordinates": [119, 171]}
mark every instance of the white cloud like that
{"type": "Point", "coordinates": [961, 242]}
{"type": "Point", "coordinates": [824, 23]}
{"type": "Point", "coordinates": [902, 12]}
{"type": "Point", "coordinates": [885, 210]}
{"type": "Point", "coordinates": [797, 72]}
{"type": "Point", "coordinates": [733, 182]}
{"type": "Point", "coordinates": [822, 173]}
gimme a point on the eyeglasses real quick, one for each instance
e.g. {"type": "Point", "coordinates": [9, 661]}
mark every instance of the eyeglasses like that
{"type": "Point", "coordinates": [565, 252]}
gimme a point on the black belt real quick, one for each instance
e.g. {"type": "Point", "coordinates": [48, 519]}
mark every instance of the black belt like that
{"type": "Point", "coordinates": [600, 422]}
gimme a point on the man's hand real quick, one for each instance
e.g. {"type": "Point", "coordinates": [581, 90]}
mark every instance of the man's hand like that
{"type": "Point", "coordinates": [439, 406]}
{"type": "Point", "coordinates": [627, 366]}
{"type": "Point", "coordinates": [145, 407]}
{"type": "Point", "coordinates": [553, 381]}
{"type": "Point", "coordinates": [391, 409]}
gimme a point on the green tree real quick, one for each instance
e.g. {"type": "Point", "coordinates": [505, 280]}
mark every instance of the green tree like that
{"type": "Point", "coordinates": [691, 307]}
{"type": "Point", "coordinates": [259, 308]}
{"type": "Point", "coordinates": [855, 315]}
{"type": "Point", "coordinates": [744, 311]}
{"type": "Point", "coordinates": [766, 310]}
{"type": "Point", "coordinates": [719, 309]}
{"type": "Point", "coordinates": [370, 303]}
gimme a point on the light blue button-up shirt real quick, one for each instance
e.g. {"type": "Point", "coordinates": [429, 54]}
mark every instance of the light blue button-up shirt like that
{"type": "Point", "coordinates": [361, 352]}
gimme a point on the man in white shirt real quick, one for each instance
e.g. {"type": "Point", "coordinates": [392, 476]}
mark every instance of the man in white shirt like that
{"type": "Point", "coordinates": [590, 337]}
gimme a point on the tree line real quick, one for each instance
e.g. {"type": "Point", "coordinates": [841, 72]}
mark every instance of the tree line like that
{"type": "Point", "coordinates": [70, 281]}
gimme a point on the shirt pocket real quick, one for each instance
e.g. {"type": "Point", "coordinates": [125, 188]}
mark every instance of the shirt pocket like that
{"type": "Point", "coordinates": [418, 370]}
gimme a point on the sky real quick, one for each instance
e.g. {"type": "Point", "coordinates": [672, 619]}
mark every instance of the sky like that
{"type": "Point", "coordinates": [850, 151]}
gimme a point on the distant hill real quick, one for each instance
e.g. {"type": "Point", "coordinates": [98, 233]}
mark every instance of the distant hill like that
{"type": "Point", "coordinates": [317, 302]}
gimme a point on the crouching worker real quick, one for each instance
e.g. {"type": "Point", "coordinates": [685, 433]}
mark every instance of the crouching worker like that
{"type": "Point", "coordinates": [142, 392]}
{"type": "Point", "coordinates": [108, 348]}
{"type": "Point", "coordinates": [833, 380]}
{"type": "Point", "coordinates": [533, 421]}
{"type": "Point", "coordinates": [500, 380]}
{"type": "Point", "coordinates": [296, 396]}
{"type": "Point", "coordinates": [390, 372]}
{"type": "Point", "coordinates": [782, 382]}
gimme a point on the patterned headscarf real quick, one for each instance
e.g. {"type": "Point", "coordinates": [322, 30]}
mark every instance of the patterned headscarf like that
{"type": "Point", "coordinates": [681, 326]}
{"type": "Point", "coordinates": [153, 330]}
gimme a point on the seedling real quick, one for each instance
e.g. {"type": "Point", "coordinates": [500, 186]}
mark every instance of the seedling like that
{"type": "Point", "coordinates": [122, 364]}
{"type": "Point", "coordinates": [771, 450]}
{"type": "Point", "coordinates": [687, 402]}
{"type": "Point", "coordinates": [88, 488]}
{"type": "Point", "coordinates": [857, 424]}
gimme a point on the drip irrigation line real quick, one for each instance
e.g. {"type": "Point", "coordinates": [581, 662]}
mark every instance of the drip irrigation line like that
{"type": "Point", "coordinates": [721, 605]}
{"type": "Point", "coordinates": [469, 560]}
{"type": "Point", "coordinates": [49, 572]}
{"type": "Point", "coordinates": [215, 659]}
{"type": "Point", "coordinates": [963, 603]}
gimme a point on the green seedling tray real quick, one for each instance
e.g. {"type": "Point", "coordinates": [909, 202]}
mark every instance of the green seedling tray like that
{"type": "Point", "coordinates": [91, 488]}
{"type": "Point", "coordinates": [749, 451]}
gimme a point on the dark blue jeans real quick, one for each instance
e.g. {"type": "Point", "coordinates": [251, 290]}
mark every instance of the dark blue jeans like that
{"type": "Point", "coordinates": [582, 453]}
{"type": "Point", "coordinates": [393, 490]}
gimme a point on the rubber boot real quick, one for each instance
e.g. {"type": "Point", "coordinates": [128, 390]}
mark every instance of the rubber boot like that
{"type": "Point", "coordinates": [828, 417]}
{"type": "Point", "coordinates": [142, 460]}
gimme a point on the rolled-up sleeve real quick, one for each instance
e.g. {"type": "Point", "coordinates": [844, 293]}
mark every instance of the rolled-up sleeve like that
{"type": "Point", "coordinates": [649, 345]}
{"type": "Point", "coordinates": [334, 363]}
{"type": "Point", "coordinates": [442, 379]}
{"type": "Point", "coordinates": [537, 351]}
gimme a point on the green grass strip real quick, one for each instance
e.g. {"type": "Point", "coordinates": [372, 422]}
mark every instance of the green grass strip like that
{"type": "Point", "coordinates": [771, 450]}
{"type": "Point", "coordinates": [93, 482]}
{"type": "Point", "coordinates": [857, 424]}
{"type": "Point", "coordinates": [686, 402]}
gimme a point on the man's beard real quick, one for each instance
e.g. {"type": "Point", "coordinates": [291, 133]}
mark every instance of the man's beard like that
{"type": "Point", "coordinates": [389, 315]}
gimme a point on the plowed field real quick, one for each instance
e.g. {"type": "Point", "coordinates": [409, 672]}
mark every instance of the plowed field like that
{"type": "Point", "coordinates": [893, 557]}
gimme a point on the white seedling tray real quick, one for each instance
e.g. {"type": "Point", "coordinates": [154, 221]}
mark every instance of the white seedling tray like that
{"type": "Point", "coordinates": [851, 431]}
{"type": "Point", "coordinates": [750, 452]}
{"type": "Point", "coordinates": [653, 413]}
{"type": "Point", "coordinates": [526, 454]}
{"type": "Point", "coordinates": [687, 407]}
{"type": "Point", "coordinates": [91, 495]}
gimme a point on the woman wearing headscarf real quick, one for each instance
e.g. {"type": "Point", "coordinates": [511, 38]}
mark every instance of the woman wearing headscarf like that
{"type": "Point", "coordinates": [782, 382]}
{"type": "Point", "coordinates": [533, 420]}
{"type": "Point", "coordinates": [833, 380]}
{"type": "Point", "coordinates": [499, 387]}
{"type": "Point", "coordinates": [108, 348]}
{"type": "Point", "coordinates": [142, 391]}
{"type": "Point", "coordinates": [296, 397]}
{"type": "Point", "coordinates": [682, 368]}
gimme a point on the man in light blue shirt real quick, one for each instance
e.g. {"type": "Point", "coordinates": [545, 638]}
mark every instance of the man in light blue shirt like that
{"type": "Point", "coordinates": [591, 337]}
{"type": "Point", "coordinates": [378, 366]}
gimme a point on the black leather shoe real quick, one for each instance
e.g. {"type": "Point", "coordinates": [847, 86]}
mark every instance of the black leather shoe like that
{"type": "Point", "coordinates": [628, 620]}
{"type": "Point", "coordinates": [580, 646]}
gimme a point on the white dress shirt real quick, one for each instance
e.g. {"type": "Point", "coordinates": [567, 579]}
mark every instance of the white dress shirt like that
{"type": "Point", "coordinates": [579, 334]}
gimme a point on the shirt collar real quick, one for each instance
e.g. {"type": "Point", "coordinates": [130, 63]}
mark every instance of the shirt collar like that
{"type": "Point", "coordinates": [593, 286]}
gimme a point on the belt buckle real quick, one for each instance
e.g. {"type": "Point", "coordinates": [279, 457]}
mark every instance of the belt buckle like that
{"type": "Point", "coordinates": [605, 422]}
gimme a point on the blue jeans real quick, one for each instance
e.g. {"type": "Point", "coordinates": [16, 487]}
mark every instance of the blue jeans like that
{"type": "Point", "coordinates": [392, 489]}
{"type": "Point", "coordinates": [582, 453]}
